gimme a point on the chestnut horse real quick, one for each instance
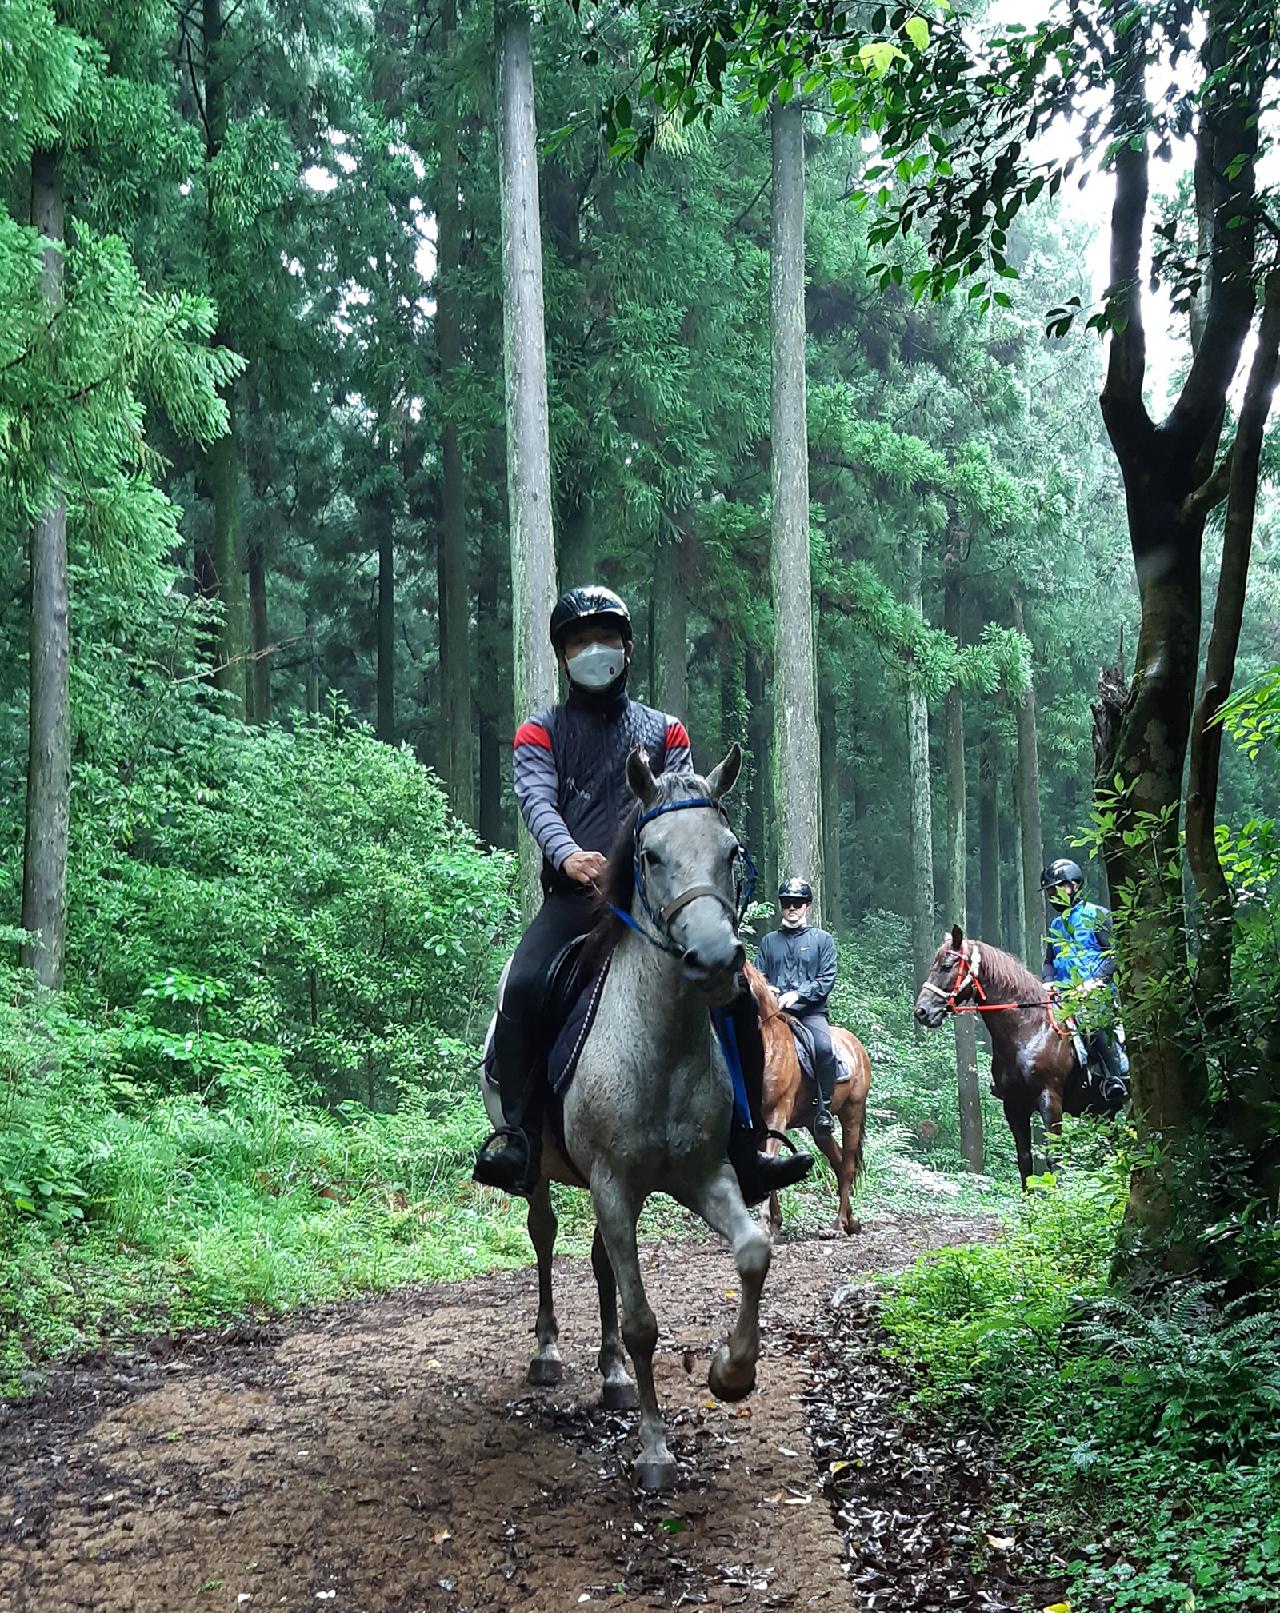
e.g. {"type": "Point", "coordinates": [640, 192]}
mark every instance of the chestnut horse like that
{"type": "Point", "coordinates": [1033, 1058]}
{"type": "Point", "coordinates": [789, 1100]}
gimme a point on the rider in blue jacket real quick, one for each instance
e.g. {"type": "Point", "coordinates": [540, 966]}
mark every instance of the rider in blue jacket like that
{"type": "Point", "coordinates": [570, 766]}
{"type": "Point", "coordinates": [1078, 957]}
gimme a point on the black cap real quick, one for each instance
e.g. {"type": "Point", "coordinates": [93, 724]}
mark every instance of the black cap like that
{"type": "Point", "coordinates": [799, 890]}
{"type": "Point", "coordinates": [590, 604]}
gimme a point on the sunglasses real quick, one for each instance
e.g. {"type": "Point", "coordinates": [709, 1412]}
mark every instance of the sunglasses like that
{"type": "Point", "coordinates": [792, 901]}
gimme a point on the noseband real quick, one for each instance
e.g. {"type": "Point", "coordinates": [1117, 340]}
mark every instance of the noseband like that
{"type": "Point", "coordinates": [660, 920]}
{"type": "Point", "coordinates": [970, 960]}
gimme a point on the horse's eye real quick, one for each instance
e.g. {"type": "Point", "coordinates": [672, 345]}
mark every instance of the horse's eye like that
{"type": "Point", "coordinates": [651, 858]}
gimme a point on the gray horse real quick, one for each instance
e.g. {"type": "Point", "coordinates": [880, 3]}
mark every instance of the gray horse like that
{"type": "Point", "coordinates": [649, 1108]}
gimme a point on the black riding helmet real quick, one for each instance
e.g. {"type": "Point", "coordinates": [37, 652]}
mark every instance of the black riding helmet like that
{"type": "Point", "coordinates": [797, 890]}
{"type": "Point", "coordinates": [1061, 872]}
{"type": "Point", "coordinates": [590, 604]}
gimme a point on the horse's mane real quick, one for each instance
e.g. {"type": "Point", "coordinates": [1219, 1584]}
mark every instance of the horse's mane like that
{"type": "Point", "coordinates": [766, 997]}
{"type": "Point", "coordinates": [618, 883]}
{"type": "Point", "coordinates": [1005, 976]}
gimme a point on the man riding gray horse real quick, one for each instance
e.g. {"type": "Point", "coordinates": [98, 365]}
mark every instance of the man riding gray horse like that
{"type": "Point", "coordinates": [570, 765]}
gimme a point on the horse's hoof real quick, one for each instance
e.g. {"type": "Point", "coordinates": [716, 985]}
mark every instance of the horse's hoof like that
{"type": "Point", "coordinates": [724, 1387]}
{"type": "Point", "coordinates": [619, 1394]}
{"type": "Point", "coordinates": [545, 1371]}
{"type": "Point", "coordinates": [852, 1225]}
{"type": "Point", "coordinates": [656, 1472]}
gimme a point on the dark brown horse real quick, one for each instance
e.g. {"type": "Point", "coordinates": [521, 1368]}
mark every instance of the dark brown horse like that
{"type": "Point", "coordinates": [788, 1099]}
{"type": "Point", "coordinates": [1033, 1058]}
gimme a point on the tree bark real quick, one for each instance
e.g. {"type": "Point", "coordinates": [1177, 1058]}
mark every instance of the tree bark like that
{"type": "Point", "coordinates": [991, 929]}
{"type": "Point", "coordinates": [796, 751]}
{"type": "Point", "coordinates": [968, 1096]}
{"type": "Point", "coordinates": [1213, 975]}
{"type": "Point", "coordinates": [758, 728]}
{"type": "Point", "coordinates": [451, 559]}
{"type": "Point", "coordinates": [384, 530]}
{"type": "Point", "coordinates": [313, 668]}
{"type": "Point", "coordinates": [533, 560]}
{"type": "Point", "coordinates": [923, 940]}
{"type": "Point", "coordinates": [832, 779]}
{"type": "Point", "coordinates": [220, 574]}
{"type": "Point", "coordinates": [489, 701]}
{"type": "Point", "coordinates": [260, 662]}
{"type": "Point", "coordinates": [1031, 836]}
{"type": "Point", "coordinates": [48, 814]}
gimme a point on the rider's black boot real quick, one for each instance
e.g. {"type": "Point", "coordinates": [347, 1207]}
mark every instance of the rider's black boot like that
{"type": "Point", "coordinates": [758, 1174]}
{"type": "Point", "coordinates": [1112, 1088]}
{"type": "Point", "coordinates": [824, 1121]}
{"type": "Point", "coordinates": [510, 1157]}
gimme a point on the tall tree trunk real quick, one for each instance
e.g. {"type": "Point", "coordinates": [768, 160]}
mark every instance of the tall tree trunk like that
{"type": "Point", "coordinates": [758, 787]}
{"type": "Point", "coordinates": [313, 668]}
{"type": "Point", "coordinates": [991, 929]}
{"type": "Point", "coordinates": [832, 779]}
{"type": "Point", "coordinates": [1032, 838]}
{"type": "Point", "coordinates": [260, 663]}
{"type": "Point", "coordinates": [451, 560]}
{"type": "Point", "coordinates": [1213, 975]}
{"type": "Point", "coordinates": [923, 940]}
{"type": "Point", "coordinates": [533, 558]}
{"type": "Point", "coordinates": [221, 575]}
{"type": "Point", "coordinates": [673, 633]}
{"type": "Point", "coordinates": [1170, 485]}
{"type": "Point", "coordinates": [796, 752]}
{"type": "Point", "coordinates": [490, 700]}
{"type": "Point", "coordinates": [966, 1031]}
{"type": "Point", "coordinates": [1013, 919]}
{"type": "Point", "coordinates": [48, 818]}
{"type": "Point", "coordinates": [384, 530]}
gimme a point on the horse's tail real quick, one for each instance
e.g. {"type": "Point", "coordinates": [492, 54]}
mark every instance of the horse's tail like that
{"type": "Point", "coordinates": [860, 1083]}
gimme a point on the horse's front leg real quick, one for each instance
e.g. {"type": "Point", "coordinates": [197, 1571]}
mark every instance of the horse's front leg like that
{"type": "Point", "coordinates": [546, 1367]}
{"type": "Point", "coordinates": [616, 1214]}
{"type": "Point", "coordinates": [619, 1391]}
{"type": "Point", "coordinates": [719, 1203]}
{"type": "Point", "coordinates": [1051, 1119]}
{"type": "Point", "coordinates": [1020, 1125]}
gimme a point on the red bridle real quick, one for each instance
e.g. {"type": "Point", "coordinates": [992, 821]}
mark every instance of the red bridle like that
{"type": "Point", "coordinates": [970, 962]}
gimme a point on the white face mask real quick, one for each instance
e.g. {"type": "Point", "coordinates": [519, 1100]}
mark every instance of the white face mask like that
{"type": "Point", "coordinates": [597, 666]}
{"type": "Point", "coordinates": [794, 918]}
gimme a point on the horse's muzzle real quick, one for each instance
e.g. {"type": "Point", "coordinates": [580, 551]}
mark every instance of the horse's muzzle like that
{"type": "Point", "coordinates": [716, 976]}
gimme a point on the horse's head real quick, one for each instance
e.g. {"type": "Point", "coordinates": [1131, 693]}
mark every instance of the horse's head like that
{"type": "Point", "coordinates": [687, 862]}
{"type": "Point", "coordinates": [951, 980]}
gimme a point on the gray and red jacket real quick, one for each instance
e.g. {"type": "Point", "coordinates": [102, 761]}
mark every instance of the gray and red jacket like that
{"type": "Point", "coordinates": [571, 770]}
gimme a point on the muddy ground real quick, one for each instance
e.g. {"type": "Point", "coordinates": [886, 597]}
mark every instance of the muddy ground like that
{"type": "Point", "coordinates": [387, 1457]}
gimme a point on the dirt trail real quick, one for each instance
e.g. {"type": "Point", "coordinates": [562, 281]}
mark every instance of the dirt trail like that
{"type": "Point", "coordinates": [387, 1457]}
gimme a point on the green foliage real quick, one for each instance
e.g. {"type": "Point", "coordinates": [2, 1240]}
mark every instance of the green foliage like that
{"type": "Point", "coordinates": [1142, 1436]}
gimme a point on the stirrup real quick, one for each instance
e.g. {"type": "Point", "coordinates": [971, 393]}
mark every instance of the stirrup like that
{"type": "Point", "coordinates": [509, 1167]}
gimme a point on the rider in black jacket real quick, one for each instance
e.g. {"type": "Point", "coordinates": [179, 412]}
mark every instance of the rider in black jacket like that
{"type": "Point", "coordinates": [571, 783]}
{"type": "Point", "coordinates": [799, 962]}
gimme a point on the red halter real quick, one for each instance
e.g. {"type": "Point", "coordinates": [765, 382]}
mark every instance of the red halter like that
{"type": "Point", "coordinates": [967, 974]}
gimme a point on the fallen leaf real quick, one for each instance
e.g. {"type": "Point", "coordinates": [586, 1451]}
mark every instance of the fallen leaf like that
{"type": "Point", "coordinates": [1058, 1607]}
{"type": "Point", "coordinates": [839, 1467]}
{"type": "Point", "coordinates": [1000, 1542]}
{"type": "Point", "coordinates": [444, 1534]}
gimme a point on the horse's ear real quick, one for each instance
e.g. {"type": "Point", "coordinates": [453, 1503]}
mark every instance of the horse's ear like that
{"type": "Point", "coordinates": [640, 777]}
{"type": "Point", "coordinates": [722, 779]}
{"type": "Point", "coordinates": [957, 938]}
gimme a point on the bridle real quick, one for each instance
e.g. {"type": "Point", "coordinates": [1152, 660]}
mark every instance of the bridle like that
{"type": "Point", "coordinates": [967, 973]}
{"type": "Point", "coordinates": [659, 935]}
